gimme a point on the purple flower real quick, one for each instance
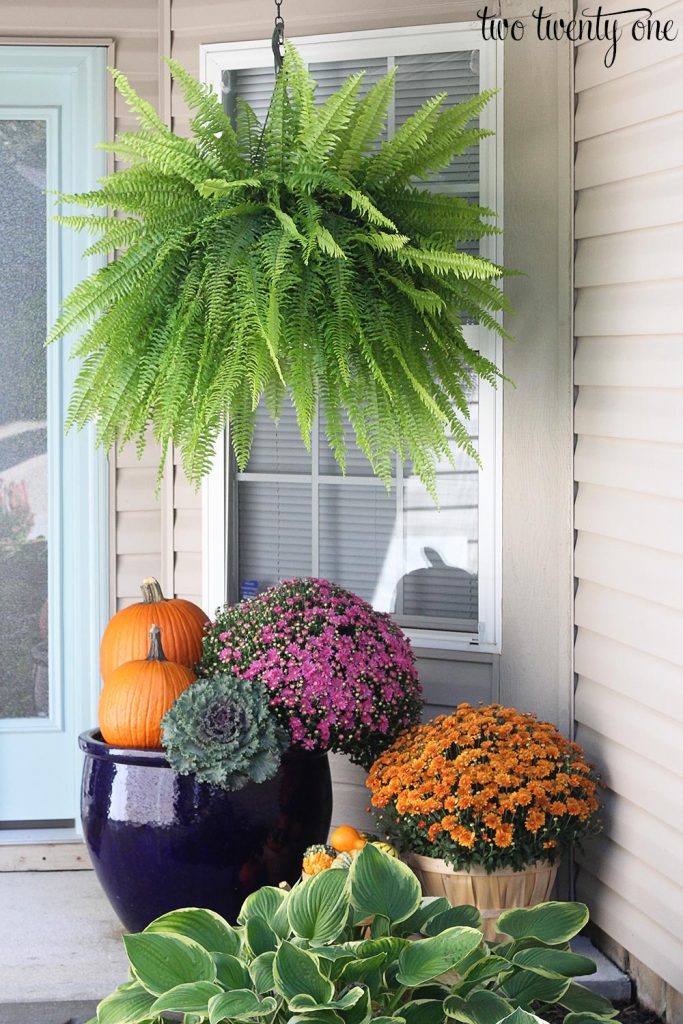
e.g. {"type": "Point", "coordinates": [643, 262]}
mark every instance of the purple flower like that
{"type": "Point", "coordinates": [340, 676]}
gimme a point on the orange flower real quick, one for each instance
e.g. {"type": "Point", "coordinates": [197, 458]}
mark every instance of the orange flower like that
{"type": "Point", "coordinates": [503, 837]}
{"type": "Point", "coordinates": [485, 777]}
{"type": "Point", "coordinates": [534, 820]}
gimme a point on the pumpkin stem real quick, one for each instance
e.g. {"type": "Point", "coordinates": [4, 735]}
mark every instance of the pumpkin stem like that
{"type": "Point", "coordinates": [156, 651]}
{"type": "Point", "coordinates": [151, 591]}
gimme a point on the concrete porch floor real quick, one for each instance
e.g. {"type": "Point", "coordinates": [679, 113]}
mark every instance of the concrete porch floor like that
{"type": "Point", "coordinates": [61, 949]}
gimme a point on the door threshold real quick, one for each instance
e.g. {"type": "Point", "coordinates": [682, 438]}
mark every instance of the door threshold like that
{"type": "Point", "coordinates": [43, 849]}
{"type": "Point", "coordinates": [26, 836]}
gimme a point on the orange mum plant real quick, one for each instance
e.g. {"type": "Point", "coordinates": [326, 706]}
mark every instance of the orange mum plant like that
{"type": "Point", "coordinates": [487, 786]}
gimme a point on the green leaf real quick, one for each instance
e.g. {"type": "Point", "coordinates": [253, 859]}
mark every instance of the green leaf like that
{"type": "Point", "coordinates": [382, 885]}
{"type": "Point", "coordinates": [464, 916]}
{"type": "Point", "coordinates": [520, 1016]}
{"type": "Point", "coordinates": [525, 988]}
{"type": "Point", "coordinates": [587, 1018]}
{"type": "Point", "coordinates": [231, 971]}
{"type": "Point", "coordinates": [242, 1004]}
{"type": "Point", "coordinates": [319, 1017]}
{"type": "Point", "coordinates": [189, 998]}
{"type": "Point", "coordinates": [263, 903]}
{"type": "Point", "coordinates": [582, 1000]}
{"type": "Point", "coordinates": [481, 1007]}
{"type": "Point", "coordinates": [206, 927]}
{"type": "Point", "coordinates": [212, 188]}
{"type": "Point", "coordinates": [380, 925]}
{"type": "Point", "coordinates": [304, 1003]}
{"type": "Point", "coordinates": [261, 971]}
{"type": "Point", "coordinates": [553, 922]}
{"type": "Point", "coordinates": [391, 945]}
{"type": "Point", "coordinates": [484, 969]}
{"type": "Point", "coordinates": [425, 959]}
{"type": "Point", "coordinates": [129, 1004]}
{"type": "Point", "coordinates": [358, 1012]}
{"type": "Point", "coordinates": [161, 962]}
{"type": "Point", "coordinates": [554, 963]}
{"type": "Point", "coordinates": [334, 953]}
{"type": "Point", "coordinates": [260, 936]}
{"type": "Point", "coordinates": [430, 906]}
{"type": "Point", "coordinates": [296, 971]}
{"type": "Point", "coordinates": [358, 970]}
{"type": "Point", "coordinates": [423, 1011]}
{"type": "Point", "coordinates": [318, 908]}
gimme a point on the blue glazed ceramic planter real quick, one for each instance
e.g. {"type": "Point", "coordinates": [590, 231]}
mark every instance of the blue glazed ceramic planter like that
{"type": "Point", "coordinates": [160, 841]}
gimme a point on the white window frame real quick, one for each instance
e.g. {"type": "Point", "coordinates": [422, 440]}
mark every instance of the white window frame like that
{"type": "Point", "coordinates": [215, 58]}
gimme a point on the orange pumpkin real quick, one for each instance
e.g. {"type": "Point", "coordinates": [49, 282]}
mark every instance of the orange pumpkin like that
{"type": "Point", "coordinates": [125, 638]}
{"type": "Point", "coordinates": [138, 695]}
{"type": "Point", "coordinates": [346, 839]}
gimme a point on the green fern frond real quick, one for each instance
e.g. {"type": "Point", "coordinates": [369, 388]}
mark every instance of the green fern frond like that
{"type": "Point", "coordinates": [365, 124]}
{"type": "Point", "coordinates": [294, 260]}
{"type": "Point", "coordinates": [330, 120]}
{"type": "Point", "coordinates": [396, 153]}
{"type": "Point", "coordinates": [448, 137]}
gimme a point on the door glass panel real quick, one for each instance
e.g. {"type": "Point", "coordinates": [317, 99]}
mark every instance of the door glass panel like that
{"type": "Point", "coordinates": [23, 416]}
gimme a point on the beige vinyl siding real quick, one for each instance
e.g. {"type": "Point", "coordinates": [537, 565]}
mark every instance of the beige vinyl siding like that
{"type": "Point", "coordinates": [629, 470]}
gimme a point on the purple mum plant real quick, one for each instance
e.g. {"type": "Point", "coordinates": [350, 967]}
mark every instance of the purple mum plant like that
{"type": "Point", "coordinates": [340, 676]}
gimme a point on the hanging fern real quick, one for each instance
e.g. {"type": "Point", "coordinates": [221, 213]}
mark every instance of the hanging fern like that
{"type": "Point", "coordinates": [294, 257]}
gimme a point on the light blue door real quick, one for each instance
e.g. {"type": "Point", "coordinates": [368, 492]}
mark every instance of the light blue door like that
{"type": "Point", "coordinates": [53, 500]}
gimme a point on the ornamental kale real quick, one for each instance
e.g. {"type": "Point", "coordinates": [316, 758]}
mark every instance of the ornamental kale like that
{"type": "Point", "coordinates": [222, 731]}
{"type": "Point", "coordinates": [339, 675]}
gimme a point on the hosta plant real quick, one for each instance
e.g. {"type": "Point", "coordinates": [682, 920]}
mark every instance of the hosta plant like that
{"type": "Point", "coordinates": [351, 947]}
{"type": "Point", "coordinates": [291, 258]}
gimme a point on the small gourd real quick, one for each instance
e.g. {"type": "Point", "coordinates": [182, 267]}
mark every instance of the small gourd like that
{"type": "Point", "coordinates": [317, 858]}
{"type": "Point", "coordinates": [343, 860]}
{"type": "Point", "coordinates": [125, 638]}
{"type": "Point", "coordinates": [387, 848]}
{"type": "Point", "coordinates": [347, 838]}
{"type": "Point", "coordinates": [137, 696]}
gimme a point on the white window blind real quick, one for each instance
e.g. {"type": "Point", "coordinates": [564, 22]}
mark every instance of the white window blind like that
{"type": "Point", "coordinates": [295, 513]}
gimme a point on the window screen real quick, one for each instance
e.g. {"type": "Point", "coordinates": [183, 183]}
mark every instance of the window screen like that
{"type": "Point", "coordinates": [296, 513]}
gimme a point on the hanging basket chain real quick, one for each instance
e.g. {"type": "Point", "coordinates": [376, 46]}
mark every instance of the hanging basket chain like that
{"type": "Point", "coordinates": [278, 44]}
{"type": "Point", "coordinates": [279, 38]}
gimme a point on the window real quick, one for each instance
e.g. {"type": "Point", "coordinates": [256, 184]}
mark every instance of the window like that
{"type": "Point", "coordinates": [292, 512]}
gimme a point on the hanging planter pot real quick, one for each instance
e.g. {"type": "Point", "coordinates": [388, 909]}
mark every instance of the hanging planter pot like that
{"type": "Point", "coordinates": [295, 258]}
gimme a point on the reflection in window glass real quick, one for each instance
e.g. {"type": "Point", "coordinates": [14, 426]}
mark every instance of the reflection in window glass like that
{"type": "Point", "coordinates": [23, 416]}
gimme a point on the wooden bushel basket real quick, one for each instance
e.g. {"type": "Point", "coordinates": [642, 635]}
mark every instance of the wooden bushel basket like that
{"type": "Point", "coordinates": [490, 893]}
